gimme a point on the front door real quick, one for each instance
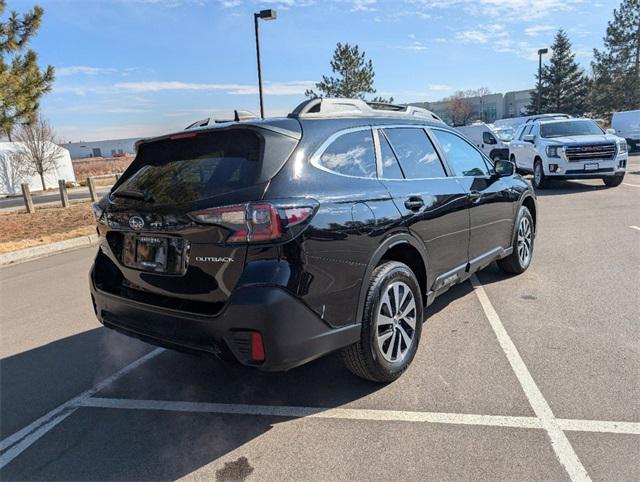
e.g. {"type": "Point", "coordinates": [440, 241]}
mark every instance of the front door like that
{"type": "Point", "coordinates": [490, 200]}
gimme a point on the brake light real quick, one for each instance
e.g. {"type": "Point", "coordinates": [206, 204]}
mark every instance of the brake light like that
{"type": "Point", "coordinates": [255, 222]}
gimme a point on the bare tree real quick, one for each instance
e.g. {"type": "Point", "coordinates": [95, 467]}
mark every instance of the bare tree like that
{"type": "Point", "coordinates": [460, 108]}
{"type": "Point", "coordinates": [37, 150]}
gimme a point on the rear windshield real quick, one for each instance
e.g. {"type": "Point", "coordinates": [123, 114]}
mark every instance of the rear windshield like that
{"type": "Point", "coordinates": [185, 170]}
{"type": "Point", "coordinates": [570, 128]}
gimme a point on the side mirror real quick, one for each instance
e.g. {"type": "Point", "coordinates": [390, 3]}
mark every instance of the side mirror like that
{"type": "Point", "coordinates": [611, 132]}
{"type": "Point", "coordinates": [504, 168]}
{"type": "Point", "coordinates": [529, 138]}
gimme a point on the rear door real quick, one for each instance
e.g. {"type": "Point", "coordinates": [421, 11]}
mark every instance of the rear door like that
{"type": "Point", "coordinates": [491, 201]}
{"type": "Point", "coordinates": [433, 205]}
{"type": "Point", "coordinates": [156, 237]}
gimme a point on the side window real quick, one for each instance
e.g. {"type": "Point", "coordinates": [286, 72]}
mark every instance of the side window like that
{"type": "Point", "coordinates": [390, 167]}
{"type": "Point", "coordinates": [463, 159]}
{"type": "Point", "coordinates": [416, 154]}
{"type": "Point", "coordinates": [488, 138]}
{"type": "Point", "coordinates": [351, 154]}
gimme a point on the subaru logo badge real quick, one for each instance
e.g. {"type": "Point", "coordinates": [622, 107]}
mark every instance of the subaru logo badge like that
{"type": "Point", "coordinates": [136, 222]}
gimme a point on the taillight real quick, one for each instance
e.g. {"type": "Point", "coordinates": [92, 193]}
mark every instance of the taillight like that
{"type": "Point", "coordinates": [256, 222]}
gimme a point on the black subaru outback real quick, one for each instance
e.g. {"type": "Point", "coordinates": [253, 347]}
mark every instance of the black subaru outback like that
{"type": "Point", "coordinates": [274, 242]}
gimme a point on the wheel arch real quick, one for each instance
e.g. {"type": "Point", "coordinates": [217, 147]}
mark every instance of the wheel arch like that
{"type": "Point", "coordinates": [402, 247]}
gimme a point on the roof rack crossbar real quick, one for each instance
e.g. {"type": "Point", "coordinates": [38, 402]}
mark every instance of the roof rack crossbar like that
{"type": "Point", "coordinates": [329, 107]}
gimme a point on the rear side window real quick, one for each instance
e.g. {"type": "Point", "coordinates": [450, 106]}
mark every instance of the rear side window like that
{"type": "Point", "coordinates": [390, 167]}
{"type": "Point", "coordinates": [462, 158]}
{"type": "Point", "coordinates": [192, 168]}
{"type": "Point", "coordinates": [351, 154]}
{"type": "Point", "coordinates": [415, 152]}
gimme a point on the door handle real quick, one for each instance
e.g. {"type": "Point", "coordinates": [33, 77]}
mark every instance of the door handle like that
{"type": "Point", "coordinates": [414, 203]}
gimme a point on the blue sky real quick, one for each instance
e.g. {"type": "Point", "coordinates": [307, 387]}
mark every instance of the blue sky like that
{"type": "Point", "coordinates": [128, 68]}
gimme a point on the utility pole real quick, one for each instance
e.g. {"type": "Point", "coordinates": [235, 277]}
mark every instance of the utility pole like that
{"type": "Point", "coordinates": [268, 14]}
{"type": "Point", "coordinates": [540, 53]}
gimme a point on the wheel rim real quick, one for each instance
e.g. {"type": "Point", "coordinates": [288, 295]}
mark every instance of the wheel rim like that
{"type": "Point", "coordinates": [525, 241]}
{"type": "Point", "coordinates": [396, 322]}
{"type": "Point", "coordinates": [537, 175]}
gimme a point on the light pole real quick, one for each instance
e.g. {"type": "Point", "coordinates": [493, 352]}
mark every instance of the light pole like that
{"type": "Point", "coordinates": [268, 14]}
{"type": "Point", "coordinates": [540, 53]}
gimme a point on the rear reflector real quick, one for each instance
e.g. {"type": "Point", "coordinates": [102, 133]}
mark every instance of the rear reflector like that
{"type": "Point", "coordinates": [257, 347]}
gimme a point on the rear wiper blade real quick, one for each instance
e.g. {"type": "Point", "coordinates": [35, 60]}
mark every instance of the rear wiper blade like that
{"type": "Point", "coordinates": [131, 194]}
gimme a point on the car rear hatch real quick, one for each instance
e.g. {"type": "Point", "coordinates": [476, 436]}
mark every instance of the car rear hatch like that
{"type": "Point", "coordinates": [162, 253]}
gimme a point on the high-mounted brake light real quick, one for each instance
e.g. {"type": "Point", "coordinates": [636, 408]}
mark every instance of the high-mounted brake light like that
{"type": "Point", "coordinates": [254, 222]}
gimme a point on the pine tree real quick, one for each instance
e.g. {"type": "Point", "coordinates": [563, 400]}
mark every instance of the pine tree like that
{"type": "Point", "coordinates": [616, 69]}
{"type": "Point", "coordinates": [355, 76]}
{"type": "Point", "coordinates": [563, 86]}
{"type": "Point", "coordinates": [22, 84]}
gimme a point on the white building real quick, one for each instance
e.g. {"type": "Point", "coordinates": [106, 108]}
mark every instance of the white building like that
{"type": "Point", "coordinates": [110, 148]}
{"type": "Point", "coordinates": [10, 181]}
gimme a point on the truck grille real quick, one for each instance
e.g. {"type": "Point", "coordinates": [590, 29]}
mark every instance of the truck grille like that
{"type": "Point", "coordinates": [589, 152]}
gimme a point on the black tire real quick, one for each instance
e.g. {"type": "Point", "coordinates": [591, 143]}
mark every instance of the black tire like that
{"type": "Point", "coordinates": [613, 181]}
{"type": "Point", "coordinates": [540, 180]}
{"type": "Point", "coordinates": [366, 358]}
{"type": "Point", "coordinates": [514, 263]}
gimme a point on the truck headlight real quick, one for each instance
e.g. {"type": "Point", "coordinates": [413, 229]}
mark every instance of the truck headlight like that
{"type": "Point", "coordinates": [553, 151]}
{"type": "Point", "coordinates": [622, 146]}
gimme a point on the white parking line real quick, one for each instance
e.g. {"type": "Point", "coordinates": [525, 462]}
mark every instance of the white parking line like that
{"type": "Point", "coordinates": [314, 412]}
{"type": "Point", "coordinates": [24, 438]}
{"type": "Point", "coordinates": [631, 428]}
{"type": "Point", "coordinates": [559, 441]}
{"type": "Point", "coordinates": [633, 185]}
{"type": "Point", "coordinates": [635, 227]}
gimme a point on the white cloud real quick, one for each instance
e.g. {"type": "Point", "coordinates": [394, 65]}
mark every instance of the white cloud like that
{"type": "Point", "coordinates": [440, 87]}
{"type": "Point", "coordinates": [483, 34]}
{"type": "Point", "coordinates": [505, 10]}
{"type": "Point", "coordinates": [363, 5]}
{"type": "Point", "coordinates": [536, 30]}
{"type": "Point", "coordinates": [83, 70]}
{"type": "Point", "coordinates": [270, 88]}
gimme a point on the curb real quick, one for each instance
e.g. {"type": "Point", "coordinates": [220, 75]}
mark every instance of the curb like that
{"type": "Point", "coordinates": [36, 252]}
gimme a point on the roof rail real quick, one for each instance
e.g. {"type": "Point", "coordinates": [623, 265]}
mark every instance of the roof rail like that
{"type": "Point", "coordinates": [238, 115]}
{"type": "Point", "coordinates": [331, 107]}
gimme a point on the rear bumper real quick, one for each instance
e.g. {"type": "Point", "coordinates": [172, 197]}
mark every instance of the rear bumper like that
{"type": "Point", "coordinates": [292, 333]}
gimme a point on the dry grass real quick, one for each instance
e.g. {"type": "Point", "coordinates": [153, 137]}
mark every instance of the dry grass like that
{"type": "Point", "coordinates": [19, 230]}
{"type": "Point", "coordinates": [85, 168]}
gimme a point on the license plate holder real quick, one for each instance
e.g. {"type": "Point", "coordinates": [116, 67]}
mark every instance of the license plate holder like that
{"type": "Point", "coordinates": [146, 252]}
{"type": "Point", "coordinates": [591, 166]}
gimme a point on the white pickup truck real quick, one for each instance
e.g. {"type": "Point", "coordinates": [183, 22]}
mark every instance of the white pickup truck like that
{"type": "Point", "coordinates": [568, 149]}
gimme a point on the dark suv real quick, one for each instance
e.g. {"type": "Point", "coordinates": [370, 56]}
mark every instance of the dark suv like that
{"type": "Point", "coordinates": [274, 242]}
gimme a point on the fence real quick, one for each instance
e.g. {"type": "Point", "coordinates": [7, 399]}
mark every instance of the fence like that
{"type": "Point", "coordinates": [65, 199]}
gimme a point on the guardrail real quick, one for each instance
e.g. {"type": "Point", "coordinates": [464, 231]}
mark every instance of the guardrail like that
{"type": "Point", "coordinates": [64, 194]}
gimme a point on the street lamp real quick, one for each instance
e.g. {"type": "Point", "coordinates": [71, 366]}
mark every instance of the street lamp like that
{"type": "Point", "coordinates": [540, 53]}
{"type": "Point", "coordinates": [268, 14]}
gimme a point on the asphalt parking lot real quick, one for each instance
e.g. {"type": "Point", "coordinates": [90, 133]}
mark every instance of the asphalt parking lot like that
{"type": "Point", "coordinates": [530, 377]}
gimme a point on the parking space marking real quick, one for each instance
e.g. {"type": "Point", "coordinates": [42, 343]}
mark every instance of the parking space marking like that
{"type": "Point", "coordinates": [628, 184]}
{"type": "Point", "coordinates": [559, 441]}
{"type": "Point", "coordinates": [635, 227]}
{"type": "Point", "coordinates": [601, 426]}
{"type": "Point", "coordinates": [24, 438]}
{"type": "Point", "coordinates": [314, 412]}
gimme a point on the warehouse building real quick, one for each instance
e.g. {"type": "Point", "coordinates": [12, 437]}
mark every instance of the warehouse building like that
{"type": "Point", "coordinates": [110, 148]}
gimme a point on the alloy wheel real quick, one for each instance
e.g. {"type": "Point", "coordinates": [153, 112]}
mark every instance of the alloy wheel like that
{"type": "Point", "coordinates": [396, 322]}
{"type": "Point", "coordinates": [525, 241]}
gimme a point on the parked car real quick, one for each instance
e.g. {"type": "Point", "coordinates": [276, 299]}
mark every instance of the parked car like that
{"type": "Point", "coordinates": [627, 125]}
{"type": "Point", "coordinates": [568, 149]}
{"type": "Point", "coordinates": [515, 122]}
{"type": "Point", "coordinates": [274, 242]}
{"type": "Point", "coordinates": [488, 140]}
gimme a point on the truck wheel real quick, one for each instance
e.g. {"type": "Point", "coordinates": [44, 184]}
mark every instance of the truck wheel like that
{"type": "Point", "coordinates": [391, 325]}
{"type": "Point", "coordinates": [540, 181]}
{"type": "Point", "coordinates": [520, 258]}
{"type": "Point", "coordinates": [613, 181]}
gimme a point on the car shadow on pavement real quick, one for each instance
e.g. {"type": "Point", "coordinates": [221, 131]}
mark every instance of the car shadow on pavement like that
{"type": "Point", "coordinates": [126, 444]}
{"type": "Point", "coordinates": [557, 188]}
